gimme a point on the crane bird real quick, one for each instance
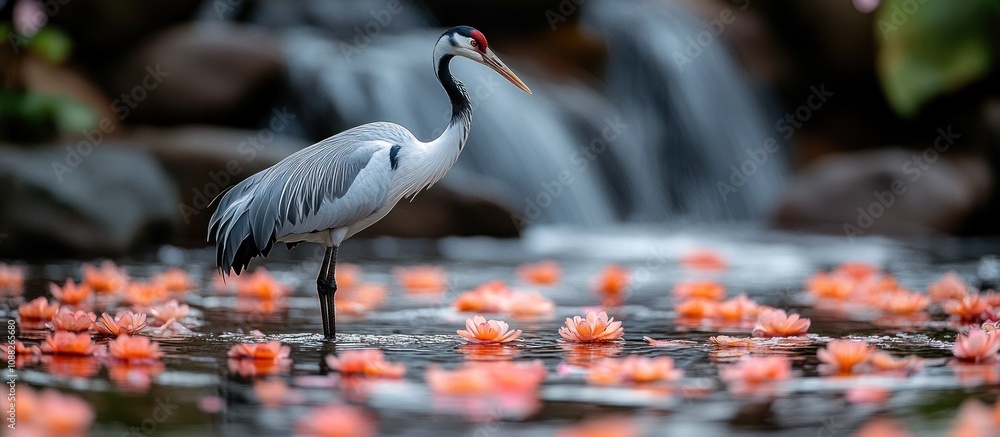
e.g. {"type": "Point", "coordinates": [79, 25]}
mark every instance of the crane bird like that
{"type": "Point", "coordinates": [327, 192]}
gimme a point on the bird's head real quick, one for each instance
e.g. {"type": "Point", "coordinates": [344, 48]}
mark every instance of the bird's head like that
{"type": "Point", "coordinates": [470, 43]}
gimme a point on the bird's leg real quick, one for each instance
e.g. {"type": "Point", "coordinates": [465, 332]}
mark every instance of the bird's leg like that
{"type": "Point", "coordinates": [330, 307]}
{"type": "Point", "coordinates": [323, 285]}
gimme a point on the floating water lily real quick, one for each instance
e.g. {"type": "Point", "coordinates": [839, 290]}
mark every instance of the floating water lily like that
{"type": "Point", "coordinates": [145, 294]}
{"type": "Point", "coordinates": [70, 293]}
{"type": "Point", "coordinates": [949, 287]}
{"type": "Point", "coordinates": [134, 349]}
{"type": "Point", "coordinates": [594, 328]}
{"type": "Point", "coordinates": [845, 355]}
{"type": "Point", "coordinates": [50, 413]}
{"type": "Point", "coordinates": [11, 279]}
{"type": "Point", "coordinates": [125, 322]}
{"type": "Point", "coordinates": [612, 283]}
{"type": "Point", "coordinates": [173, 280]}
{"type": "Point", "coordinates": [545, 272]}
{"type": "Point", "coordinates": [480, 330]}
{"type": "Point", "coordinates": [68, 320]}
{"type": "Point", "coordinates": [37, 309]}
{"type": "Point", "coordinates": [170, 310]}
{"type": "Point", "coordinates": [704, 259]}
{"type": "Point", "coordinates": [968, 309]}
{"type": "Point", "coordinates": [107, 278]}
{"type": "Point", "coordinates": [261, 285]}
{"type": "Point", "coordinates": [68, 343]}
{"type": "Point", "coordinates": [976, 345]}
{"type": "Point", "coordinates": [633, 369]}
{"type": "Point", "coordinates": [754, 370]}
{"type": "Point", "coordinates": [422, 279]}
{"type": "Point", "coordinates": [776, 323]}
{"type": "Point", "coordinates": [336, 421]}
{"type": "Point", "coordinates": [367, 362]}
{"type": "Point", "coordinates": [487, 377]}
{"type": "Point", "coordinates": [700, 289]}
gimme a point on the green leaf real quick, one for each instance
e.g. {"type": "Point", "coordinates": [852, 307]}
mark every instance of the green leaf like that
{"type": "Point", "coordinates": [930, 48]}
{"type": "Point", "coordinates": [52, 44]}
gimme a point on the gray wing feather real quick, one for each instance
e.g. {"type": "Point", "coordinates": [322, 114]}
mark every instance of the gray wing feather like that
{"type": "Point", "coordinates": [286, 197]}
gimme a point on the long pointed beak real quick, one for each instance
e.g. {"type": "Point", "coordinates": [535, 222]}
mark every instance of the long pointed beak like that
{"type": "Point", "coordinates": [491, 60]}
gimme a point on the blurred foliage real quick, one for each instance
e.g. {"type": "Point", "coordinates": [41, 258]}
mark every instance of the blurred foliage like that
{"type": "Point", "coordinates": [30, 116]}
{"type": "Point", "coordinates": [929, 48]}
{"type": "Point", "coordinates": [37, 117]}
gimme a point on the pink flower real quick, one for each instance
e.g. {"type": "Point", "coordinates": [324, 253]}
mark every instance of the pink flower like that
{"type": "Point", "coordinates": [125, 322]}
{"type": "Point", "coordinates": [422, 279]}
{"type": "Point", "coordinates": [272, 350]}
{"type": "Point", "coordinates": [368, 362]}
{"type": "Point", "coordinates": [170, 310]}
{"type": "Point", "coordinates": [883, 360]}
{"type": "Point", "coordinates": [753, 370]}
{"type": "Point", "coordinates": [479, 330]}
{"type": "Point", "coordinates": [776, 323]}
{"type": "Point", "coordinates": [174, 280]}
{"type": "Point", "coordinates": [738, 308]}
{"type": "Point", "coordinates": [702, 289]}
{"type": "Point", "coordinates": [487, 377]}
{"type": "Point", "coordinates": [977, 345]}
{"type": "Point", "coordinates": [50, 413]}
{"type": "Point", "coordinates": [106, 279]}
{"type": "Point", "coordinates": [11, 279]}
{"type": "Point", "coordinates": [336, 421]}
{"type": "Point", "coordinates": [68, 343]}
{"type": "Point", "coordinates": [843, 355]}
{"type": "Point", "coordinates": [595, 328]}
{"type": "Point", "coordinates": [541, 273]}
{"type": "Point", "coordinates": [634, 368]}
{"type": "Point", "coordinates": [67, 320]}
{"type": "Point", "coordinates": [529, 305]}
{"type": "Point", "coordinates": [70, 293]}
{"type": "Point", "coordinates": [134, 349]}
{"type": "Point", "coordinates": [966, 309]}
{"type": "Point", "coordinates": [38, 309]}
{"type": "Point", "coordinates": [949, 287]}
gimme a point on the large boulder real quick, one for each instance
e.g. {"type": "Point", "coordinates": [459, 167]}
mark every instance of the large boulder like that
{"type": "Point", "coordinates": [99, 200]}
{"type": "Point", "coordinates": [888, 191]}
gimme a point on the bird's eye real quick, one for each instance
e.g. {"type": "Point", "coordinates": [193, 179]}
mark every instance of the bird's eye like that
{"type": "Point", "coordinates": [473, 43]}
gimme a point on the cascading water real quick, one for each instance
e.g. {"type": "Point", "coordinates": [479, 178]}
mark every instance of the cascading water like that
{"type": "Point", "coordinates": [649, 144]}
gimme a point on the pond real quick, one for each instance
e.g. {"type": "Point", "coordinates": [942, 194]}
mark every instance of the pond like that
{"type": "Point", "coordinates": [198, 391]}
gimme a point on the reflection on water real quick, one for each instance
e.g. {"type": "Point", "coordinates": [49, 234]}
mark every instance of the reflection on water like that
{"type": "Point", "coordinates": [420, 332]}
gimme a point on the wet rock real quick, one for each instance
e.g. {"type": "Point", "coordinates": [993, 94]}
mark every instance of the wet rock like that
{"type": "Point", "coordinates": [104, 203]}
{"type": "Point", "coordinates": [203, 160]}
{"type": "Point", "coordinates": [889, 191]}
{"type": "Point", "coordinates": [201, 73]}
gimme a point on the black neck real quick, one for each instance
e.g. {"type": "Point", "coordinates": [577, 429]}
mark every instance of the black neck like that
{"type": "Point", "coordinates": [460, 103]}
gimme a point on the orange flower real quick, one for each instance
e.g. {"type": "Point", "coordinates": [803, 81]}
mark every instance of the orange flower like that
{"type": "Point", "coordinates": [487, 377]}
{"type": "Point", "coordinates": [595, 328]}
{"type": "Point", "coordinates": [67, 320]}
{"type": "Point", "coordinates": [170, 310]}
{"type": "Point", "coordinates": [704, 259]}
{"type": "Point", "coordinates": [856, 270]}
{"type": "Point", "coordinates": [612, 282]}
{"type": "Point", "coordinates": [709, 290]}
{"type": "Point", "coordinates": [73, 415]}
{"type": "Point", "coordinates": [261, 285]}
{"type": "Point", "coordinates": [38, 309]}
{"type": "Point", "coordinates": [727, 341]}
{"type": "Point", "coordinates": [68, 343]}
{"type": "Point", "coordinates": [479, 330]}
{"type": "Point", "coordinates": [70, 293]}
{"type": "Point", "coordinates": [883, 360]}
{"type": "Point", "coordinates": [545, 272]}
{"type": "Point", "coordinates": [11, 279]}
{"type": "Point", "coordinates": [634, 368]}
{"type": "Point", "coordinates": [336, 421]}
{"type": "Point", "coordinates": [422, 279]}
{"type": "Point", "coordinates": [976, 345]}
{"type": "Point", "coordinates": [491, 297]}
{"type": "Point", "coordinates": [949, 287]}
{"type": "Point", "coordinates": [272, 350]}
{"type": "Point", "coordinates": [696, 309]}
{"type": "Point", "coordinates": [145, 294]}
{"type": "Point", "coordinates": [992, 298]}
{"type": "Point", "coordinates": [347, 275]}
{"type": "Point", "coordinates": [830, 286]}
{"type": "Point", "coordinates": [753, 370]}
{"type": "Point", "coordinates": [603, 427]}
{"type": "Point", "coordinates": [368, 362]}
{"type": "Point", "coordinates": [106, 279]}
{"type": "Point", "coordinates": [843, 355]}
{"type": "Point", "coordinates": [974, 420]}
{"type": "Point", "coordinates": [967, 309]}
{"type": "Point", "coordinates": [173, 280]}
{"type": "Point", "coordinates": [125, 322]}
{"type": "Point", "coordinates": [738, 308]}
{"type": "Point", "coordinates": [134, 349]}
{"type": "Point", "coordinates": [529, 305]}
{"type": "Point", "coordinates": [360, 299]}
{"type": "Point", "coordinates": [905, 303]}
{"type": "Point", "coordinates": [775, 323]}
